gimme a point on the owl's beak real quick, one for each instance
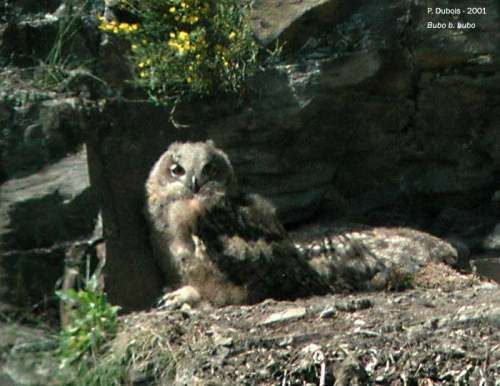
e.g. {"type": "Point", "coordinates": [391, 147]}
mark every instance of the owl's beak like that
{"type": "Point", "coordinates": [195, 187]}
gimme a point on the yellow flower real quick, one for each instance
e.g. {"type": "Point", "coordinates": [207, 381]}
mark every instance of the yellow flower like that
{"type": "Point", "coordinates": [123, 27]}
{"type": "Point", "coordinates": [183, 35]}
{"type": "Point", "coordinates": [189, 80]}
{"type": "Point", "coordinates": [111, 26]}
{"type": "Point", "coordinates": [173, 44]}
{"type": "Point", "coordinates": [172, 35]}
{"type": "Point", "coordinates": [141, 65]}
{"type": "Point", "coordinates": [232, 35]}
{"type": "Point", "coordinates": [134, 46]}
{"type": "Point", "coordinates": [142, 74]}
{"type": "Point", "coordinates": [172, 9]}
{"type": "Point", "coordinates": [183, 5]}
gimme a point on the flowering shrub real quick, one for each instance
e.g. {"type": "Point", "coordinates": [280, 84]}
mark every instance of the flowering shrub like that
{"type": "Point", "coordinates": [182, 48]}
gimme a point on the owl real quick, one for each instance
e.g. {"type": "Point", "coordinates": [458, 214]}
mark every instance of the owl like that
{"type": "Point", "coordinates": [212, 242]}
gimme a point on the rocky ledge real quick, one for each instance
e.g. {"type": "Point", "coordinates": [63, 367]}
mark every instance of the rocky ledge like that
{"type": "Point", "coordinates": [445, 330]}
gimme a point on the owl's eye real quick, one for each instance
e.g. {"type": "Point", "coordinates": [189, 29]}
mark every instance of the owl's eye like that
{"type": "Point", "coordinates": [210, 170]}
{"type": "Point", "coordinates": [177, 170]}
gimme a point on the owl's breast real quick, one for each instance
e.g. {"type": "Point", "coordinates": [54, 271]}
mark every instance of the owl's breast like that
{"type": "Point", "coordinates": [193, 205]}
{"type": "Point", "coordinates": [183, 214]}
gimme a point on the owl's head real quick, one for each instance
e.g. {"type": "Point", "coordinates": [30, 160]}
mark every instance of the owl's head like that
{"type": "Point", "coordinates": [195, 168]}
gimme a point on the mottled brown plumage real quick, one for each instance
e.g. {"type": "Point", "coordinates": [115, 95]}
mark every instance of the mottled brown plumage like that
{"type": "Point", "coordinates": [215, 244]}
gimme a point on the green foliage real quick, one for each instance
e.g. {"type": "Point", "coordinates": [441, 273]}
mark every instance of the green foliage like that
{"type": "Point", "coordinates": [92, 321]}
{"type": "Point", "coordinates": [185, 48]}
{"type": "Point", "coordinates": [108, 370]}
{"type": "Point", "coordinates": [54, 69]}
{"type": "Point", "coordinates": [65, 55]}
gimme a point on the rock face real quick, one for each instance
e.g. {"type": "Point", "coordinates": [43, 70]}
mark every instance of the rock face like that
{"type": "Point", "coordinates": [17, 367]}
{"type": "Point", "coordinates": [39, 131]}
{"type": "Point", "coordinates": [487, 266]}
{"type": "Point", "coordinates": [46, 202]}
{"type": "Point", "coordinates": [32, 204]}
{"type": "Point", "coordinates": [39, 216]}
{"type": "Point", "coordinates": [295, 21]}
{"type": "Point", "coordinates": [371, 108]}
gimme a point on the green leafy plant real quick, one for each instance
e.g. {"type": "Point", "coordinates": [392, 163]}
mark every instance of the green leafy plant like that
{"type": "Point", "coordinates": [64, 56]}
{"type": "Point", "coordinates": [92, 322]}
{"type": "Point", "coordinates": [185, 48]}
{"type": "Point", "coordinates": [54, 69]}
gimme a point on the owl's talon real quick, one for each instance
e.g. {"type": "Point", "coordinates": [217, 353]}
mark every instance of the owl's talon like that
{"type": "Point", "coordinates": [184, 295]}
{"type": "Point", "coordinates": [164, 304]}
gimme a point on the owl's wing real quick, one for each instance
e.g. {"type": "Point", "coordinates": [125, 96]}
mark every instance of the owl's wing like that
{"type": "Point", "coordinates": [246, 241]}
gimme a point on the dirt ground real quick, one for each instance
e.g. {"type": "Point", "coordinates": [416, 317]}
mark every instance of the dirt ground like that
{"type": "Point", "coordinates": [444, 331]}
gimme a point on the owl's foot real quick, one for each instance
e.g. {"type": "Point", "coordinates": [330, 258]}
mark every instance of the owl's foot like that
{"type": "Point", "coordinates": [184, 295]}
